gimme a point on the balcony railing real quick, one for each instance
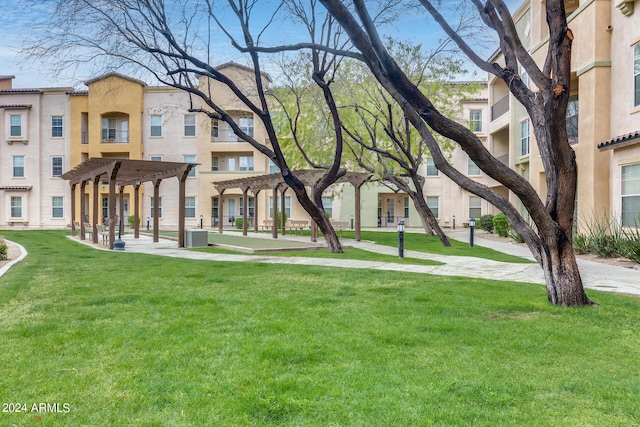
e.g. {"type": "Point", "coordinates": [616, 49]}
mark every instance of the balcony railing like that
{"type": "Point", "coordinates": [112, 136]}
{"type": "Point", "coordinates": [500, 108]}
{"type": "Point", "coordinates": [227, 135]}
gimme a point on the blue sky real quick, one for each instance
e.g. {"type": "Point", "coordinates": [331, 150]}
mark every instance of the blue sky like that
{"type": "Point", "coordinates": [18, 17]}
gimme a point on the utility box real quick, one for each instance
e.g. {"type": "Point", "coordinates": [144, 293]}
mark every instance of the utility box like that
{"type": "Point", "coordinates": [196, 238]}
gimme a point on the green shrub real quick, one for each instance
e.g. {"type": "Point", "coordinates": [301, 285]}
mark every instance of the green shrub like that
{"type": "Point", "coordinates": [515, 236]}
{"type": "Point", "coordinates": [630, 244]}
{"type": "Point", "coordinates": [3, 251]}
{"type": "Point", "coordinates": [501, 225]}
{"type": "Point", "coordinates": [581, 244]}
{"type": "Point", "coordinates": [239, 222]}
{"type": "Point", "coordinates": [485, 222]}
{"type": "Point", "coordinates": [130, 219]}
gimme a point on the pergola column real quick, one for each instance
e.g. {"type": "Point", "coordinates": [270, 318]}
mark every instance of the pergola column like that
{"type": "Point", "coordinates": [357, 211]}
{"type": "Point", "coordinates": [136, 210]}
{"type": "Point", "coordinates": [181, 205]}
{"type": "Point", "coordinates": [274, 211]}
{"type": "Point", "coordinates": [73, 209]}
{"type": "Point", "coordinates": [96, 195]}
{"type": "Point", "coordinates": [220, 211]}
{"type": "Point", "coordinates": [83, 210]}
{"type": "Point", "coordinates": [245, 205]}
{"type": "Point", "coordinates": [255, 210]}
{"type": "Point", "coordinates": [156, 207]}
{"type": "Point", "coordinates": [282, 210]}
{"type": "Point", "coordinates": [121, 211]}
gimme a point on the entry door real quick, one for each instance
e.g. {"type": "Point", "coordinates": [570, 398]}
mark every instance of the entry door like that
{"type": "Point", "coordinates": [390, 211]}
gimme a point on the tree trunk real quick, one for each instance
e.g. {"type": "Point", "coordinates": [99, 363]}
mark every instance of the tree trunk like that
{"type": "Point", "coordinates": [317, 214]}
{"type": "Point", "coordinates": [562, 277]}
{"type": "Point", "coordinates": [428, 219]}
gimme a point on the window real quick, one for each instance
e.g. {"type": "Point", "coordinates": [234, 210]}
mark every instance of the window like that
{"type": "Point", "coordinates": [190, 159]}
{"type": "Point", "coordinates": [246, 163]}
{"type": "Point", "coordinates": [18, 166]}
{"type": "Point", "coordinates": [109, 128]}
{"type": "Point", "coordinates": [431, 167]}
{"type": "Point", "coordinates": [246, 125]}
{"type": "Point", "coordinates": [572, 119]}
{"type": "Point", "coordinates": [273, 168]}
{"type": "Point", "coordinates": [433, 203]}
{"type": "Point", "coordinates": [189, 125]}
{"type": "Point", "coordinates": [214, 208]}
{"type": "Point", "coordinates": [327, 205]}
{"type": "Point", "coordinates": [16, 207]}
{"type": "Point", "coordinates": [56, 166]}
{"type": "Point", "coordinates": [232, 165]}
{"type": "Point", "coordinates": [287, 206]}
{"type": "Point", "coordinates": [406, 206]}
{"type": "Point", "coordinates": [525, 78]}
{"type": "Point", "coordinates": [636, 74]}
{"type": "Point", "coordinates": [57, 207]}
{"type": "Point", "coordinates": [155, 158]}
{"type": "Point", "coordinates": [214, 129]}
{"type": "Point", "coordinates": [156, 125]}
{"type": "Point", "coordinates": [475, 207]}
{"type": "Point", "coordinates": [524, 138]}
{"type": "Point", "coordinates": [630, 195]}
{"type": "Point", "coordinates": [15, 122]}
{"type": "Point", "coordinates": [472, 168]}
{"type": "Point", "coordinates": [105, 207]}
{"type": "Point", "coordinates": [251, 202]}
{"type": "Point", "coordinates": [56, 126]}
{"type": "Point", "coordinates": [189, 207]}
{"type": "Point", "coordinates": [159, 207]}
{"type": "Point", "coordinates": [475, 120]}
{"type": "Point", "coordinates": [215, 163]}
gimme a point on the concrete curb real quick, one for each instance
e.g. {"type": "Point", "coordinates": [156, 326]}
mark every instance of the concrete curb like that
{"type": "Point", "coordinates": [23, 254]}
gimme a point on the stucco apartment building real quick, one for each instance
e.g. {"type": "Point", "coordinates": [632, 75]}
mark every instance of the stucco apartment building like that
{"type": "Point", "coordinates": [49, 131]}
{"type": "Point", "coordinates": [604, 107]}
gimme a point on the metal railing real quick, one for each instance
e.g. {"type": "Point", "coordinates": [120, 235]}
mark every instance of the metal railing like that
{"type": "Point", "coordinates": [112, 136]}
{"type": "Point", "coordinates": [227, 135]}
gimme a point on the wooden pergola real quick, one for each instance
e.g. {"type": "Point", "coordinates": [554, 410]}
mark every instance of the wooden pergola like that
{"type": "Point", "coordinates": [123, 172]}
{"type": "Point", "coordinates": [275, 182]}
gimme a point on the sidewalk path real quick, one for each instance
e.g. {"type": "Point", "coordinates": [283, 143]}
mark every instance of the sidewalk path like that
{"type": "Point", "coordinates": [595, 275]}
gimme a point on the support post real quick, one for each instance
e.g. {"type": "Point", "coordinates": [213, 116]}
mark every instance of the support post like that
{"type": "Point", "coordinates": [156, 207]}
{"type": "Point", "coordinates": [96, 196]}
{"type": "Point", "coordinates": [245, 204]}
{"type": "Point", "coordinates": [136, 210]}
{"type": "Point", "coordinates": [73, 209]}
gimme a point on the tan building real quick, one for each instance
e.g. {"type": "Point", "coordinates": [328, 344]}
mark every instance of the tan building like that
{"type": "Point", "coordinates": [604, 108]}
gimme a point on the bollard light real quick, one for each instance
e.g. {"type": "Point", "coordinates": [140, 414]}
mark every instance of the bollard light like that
{"type": "Point", "coordinates": [352, 222]}
{"type": "Point", "coordinates": [454, 222]}
{"type": "Point", "coordinates": [200, 222]}
{"type": "Point", "coordinates": [401, 238]}
{"type": "Point", "coordinates": [148, 219]}
{"type": "Point", "coordinates": [472, 224]}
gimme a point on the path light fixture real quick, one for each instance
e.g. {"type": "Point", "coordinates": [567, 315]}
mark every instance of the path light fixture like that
{"type": "Point", "coordinates": [148, 219]}
{"type": "Point", "coordinates": [352, 222]}
{"type": "Point", "coordinates": [454, 222]}
{"type": "Point", "coordinates": [118, 245]}
{"type": "Point", "coordinates": [472, 224]}
{"type": "Point", "coordinates": [401, 238]}
{"type": "Point", "coordinates": [200, 222]}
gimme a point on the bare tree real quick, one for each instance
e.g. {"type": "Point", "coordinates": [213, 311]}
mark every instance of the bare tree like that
{"type": "Point", "coordinates": [551, 241]}
{"type": "Point", "coordinates": [172, 41]}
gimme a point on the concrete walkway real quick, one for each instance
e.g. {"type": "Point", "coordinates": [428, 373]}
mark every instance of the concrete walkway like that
{"type": "Point", "coordinates": [595, 275]}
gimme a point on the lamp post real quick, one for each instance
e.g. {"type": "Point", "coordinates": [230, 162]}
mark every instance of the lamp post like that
{"type": "Point", "coordinates": [148, 219]}
{"type": "Point", "coordinates": [200, 222]}
{"type": "Point", "coordinates": [401, 238]}
{"type": "Point", "coordinates": [454, 222]}
{"type": "Point", "coordinates": [472, 224]}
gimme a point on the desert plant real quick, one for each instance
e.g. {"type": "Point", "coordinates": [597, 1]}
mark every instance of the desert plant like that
{"type": "Point", "coordinates": [485, 222]}
{"type": "Point", "coordinates": [501, 225]}
{"type": "Point", "coordinates": [3, 251]}
{"type": "Point", "coordinates": [514, 235]}
{"type": "Point", "coordinates": [630, 244]}
{"type": "Point", "coordinates": [581, 244]}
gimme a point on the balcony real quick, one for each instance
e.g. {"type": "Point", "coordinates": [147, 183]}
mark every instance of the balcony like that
{"type": "Point", "coordinates": [112, 136]}
{"type": "Point", "coordinates": [500, 108]}
{"type": "Point", "coordinates": [227, 135]}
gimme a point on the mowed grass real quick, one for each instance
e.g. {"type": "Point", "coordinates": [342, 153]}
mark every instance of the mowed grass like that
{"type": "Point", "coordinates": [137, 340]}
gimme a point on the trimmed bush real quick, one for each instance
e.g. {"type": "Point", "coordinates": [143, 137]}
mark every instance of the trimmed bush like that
{"type": "Point", "coordinates": [485, 222]}
{"type": "Point", "coordinates": [3, 251]}
{"type": "Point", "coordinates": [501, 225]}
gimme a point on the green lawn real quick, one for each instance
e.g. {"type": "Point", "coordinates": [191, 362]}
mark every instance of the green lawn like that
{"type": "Point", "coordinates": [136, 340]}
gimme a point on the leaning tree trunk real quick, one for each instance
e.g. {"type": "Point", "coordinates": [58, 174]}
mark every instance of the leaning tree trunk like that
{"type": "Point", "coordinates": [317, 214]}
{"type": "Point", "coordinates": [562, 277]}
